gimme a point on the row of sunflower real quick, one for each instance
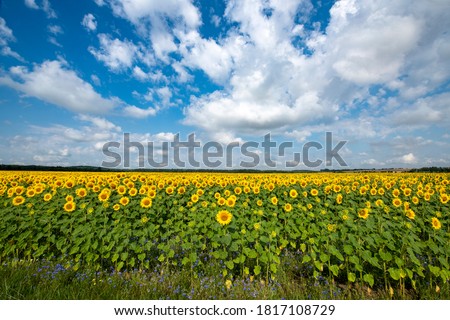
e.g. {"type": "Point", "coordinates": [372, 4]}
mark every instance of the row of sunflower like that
{"type": "Point", "coordinates": [373, 228]}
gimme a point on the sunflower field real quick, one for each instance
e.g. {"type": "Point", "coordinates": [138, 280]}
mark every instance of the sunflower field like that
{"type": "Point", "coordinates": [375, 229]}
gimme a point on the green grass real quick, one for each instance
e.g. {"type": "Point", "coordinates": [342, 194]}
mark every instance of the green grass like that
{"type": "Point", "coordinates": [49, 280]}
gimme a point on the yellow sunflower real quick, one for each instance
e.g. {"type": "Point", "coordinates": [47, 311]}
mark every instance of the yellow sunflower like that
{"type": "Point", "coordinates": [293, 193]}
{"type": "Point", "coordinates": [47, 197]}
{"type": "Point", "coordinates": [397, 202]}
{"type": "Point", "coordinates": [69, 206]}
{"type": "Point", "coordinates": [363, 213]}
{"type": "Point", "coordinates": [436, 223]}
{"type": "Point", "coordinates": [274, 200]}
{"type": "Point", "coordinates": [124, 201]}
{"type": "Point", "coordinates": [18, 200]}
{"type": "Point", "coordinates": [224, 217]}
{"type": "Point", "coordinates": [146, 202]}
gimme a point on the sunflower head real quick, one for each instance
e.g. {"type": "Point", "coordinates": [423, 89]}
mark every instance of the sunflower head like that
{"type": "Point", "coordinates": [69, 206]}
{"type": "Point", "coordinates": [18, 200]}
{"type": "Point", "coordinates": [436, 223]}
{"type": "Point", "coordinates": [224, 217]}
{"type": "Point", "coordinates": [146, 202]}
{"type": "Point", "coordinates": [293, 193]}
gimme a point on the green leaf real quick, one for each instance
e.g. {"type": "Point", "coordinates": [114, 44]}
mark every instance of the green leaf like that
{"type": "Point", "coordinates": [257, 270]}
{"type": "Point", "coordinates": [161, 258]}
{"type": "Point", "coordinates": [273, 267]}
{"type": "Point", "coordinates": [185, 261]}
{"type": "Point", "coordinates": [318, 265]}
{"type": "Point", "coordinates": [120, 265]}
{"type": "Point", "coordinates": [435, 270]}
{"type": "Point", "coordinates": [348, 249]}
{"type": "Point", "coordinates": [351, 277]}
{"type": "Point", "coordinates": [306, 259]}
{"type": "Point", "coordinates": [193, 257]}
{"type": "Point", "coordinates": [394, 273]}
{"type": "Point", "coordinates": [302, 247]}
{"type": "Point", "coordinates": [251, 254]}
{"type": "Point", "coordinates": [324, 257]}
{"type": "Point", "coordinates": [369, 279]}
{"type": "Point", "coordinates": [115, 257]}
{"type": "Point", "coordinates": [229, 264]}
{"type": "Point", "coordinates": [226, 240]}
{"type": "Point", "coordinates": [334, 269]}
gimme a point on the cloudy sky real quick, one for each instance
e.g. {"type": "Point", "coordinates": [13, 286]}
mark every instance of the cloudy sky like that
{"type": "Point", "coordinates": [77, 74]}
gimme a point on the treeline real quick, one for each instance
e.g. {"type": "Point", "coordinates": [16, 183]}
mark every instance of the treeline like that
{"type": "Point", "coordinates": [14, 167]}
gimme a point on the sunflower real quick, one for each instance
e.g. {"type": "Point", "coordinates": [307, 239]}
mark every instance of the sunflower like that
{"type": "Point", "coordinates": [444, 198]}
{"type": "Point", "coordinates": [19, 190]}
{"type": "Point", "coordinates": [144, 219]}
{"type": "Point", "coordinates": [339, 198]}
{"type": "Point", "coordinates": [221, 201]}
{"type": "Point", "coordinates": [81, 192]}
{"type": "Point", "coordinates": [200, 192]}
{"type": "Point", "coordinates": [121, 189]}
{"type": "Point", "coordinates": [181, 190]}
{"type": "Point", "coordinates": [146, 202]}
{"type": "Point", "coordinates": [293, 193]}
{"type": "Point", "coordinates": [30, 193]}
{"type": "Point", "coordinates": [116, 207]}
{"type": "Point", "coordinates": [238, 190]}
{"type": "Point", "coordinates": [132, 192]}
{"type": "Point", "coordinates": [256, 190]}
{"type": "Point", "coordinates": [397, 202]}
{"type": "Point", "coordinates": [288, 207]}
{"type": "Point", "coordinates": [379, 203]}
{"type": "Point", "coordinates": [410, 214]}
{"type": "Point", "coordinates": [257, 226]}
{"type": "Point", "coordinates": [381, 191]}
{"type": "Point", "coordinates": [274, 200]}
{"type": "Point", "coordinates": [436, 223]}
{"type": "Point", "coordinates": [314, 192]}
{"type": "Point", "coordinates": [231, 202]}
{"type": "Point", "coordinates": [415, 200]}
{"type": "Point", "coordinates": [331, 227]}
{"type": "Point", "coordinates": [69, 206]}
{"type": "Point", "coordinates": [169, 190]}
{"type": "Point", "coordinates": [18, 200]}
{"type": "Point", "coordinates": [47, 197]}
{"type": "Point", "coordinates": [259, 202]}
{"type": "Point", "coordinates": [69, 198]}
{"type": "Point", "coordinates": [224, 217]}
{"type": "Point", "coordinates": [124, 201]}
{"type": "Point", "coordinates": [363, 213]}
{"type": "Point", "coordinates": [103, 196]}
{"type": "Point", "coordinates": [194, 198]}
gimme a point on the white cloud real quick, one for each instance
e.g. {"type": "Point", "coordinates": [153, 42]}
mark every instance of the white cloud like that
{"type": "Point", "coordinates": [100, 3]}
{"type": "Point", "coordinates": [55, 29]}
{"type": "Point", "coordinates": [135, 112]}
{"type": "Point", "coordinates": [96, 80]}
{"type": "Point", "coordinates": [6, 36]}
{"type": "Point", "coordinates": [45, 6]}
{"type": "Point", "coordinates": [116, 54]}
{"type": "Point", "coordinates": [55, 83]}
{"type": "Point", "coordinates": [31, 4]}
{"type": "Point", "coordinates": [89, 22]}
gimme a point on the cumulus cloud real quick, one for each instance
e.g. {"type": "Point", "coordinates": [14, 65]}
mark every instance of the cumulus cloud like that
{"type": "Point", "coordinates": [135, 112]}
{"type": "Point", "coordinates": [45, 6]}
{"type": "Point", "coordinates": [55, 83]}
{"type": "Point", "coordinates": [89, 22]}
{"type": "Point", "coordinates": [6, 36]}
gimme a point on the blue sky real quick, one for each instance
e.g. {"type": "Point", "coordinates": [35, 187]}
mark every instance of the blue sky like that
{"type": "Point", "coordinates": [77, 74]}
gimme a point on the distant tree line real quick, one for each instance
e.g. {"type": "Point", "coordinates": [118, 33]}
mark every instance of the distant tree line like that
{"type": "Point", "coordinates": [17, 167]}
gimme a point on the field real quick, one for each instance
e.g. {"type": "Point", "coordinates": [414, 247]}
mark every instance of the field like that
{"type": "Point", "coordinates": [217, 235]}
